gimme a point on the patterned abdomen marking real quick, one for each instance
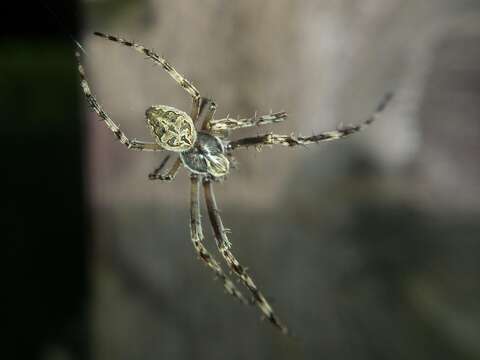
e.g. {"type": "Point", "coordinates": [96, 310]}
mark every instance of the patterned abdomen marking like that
{"type": "Point", "coordinates": [172, 129]}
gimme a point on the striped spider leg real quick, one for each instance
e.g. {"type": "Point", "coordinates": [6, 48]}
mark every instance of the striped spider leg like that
{"type": "Point", "coordinates": [228, 123]}
{"type": "Point", "coordinates": [206, 111]}
{"type": "Point", "coordinates": [224, 245]}
{"type": "Point", "coordinates": [197, 239]}
{"type": "Point", "coordinates": [290, 140]}
{"type": "Point", "coordinates": [184, 83]}
{"type": "Point", "coordinates": [95, 106]}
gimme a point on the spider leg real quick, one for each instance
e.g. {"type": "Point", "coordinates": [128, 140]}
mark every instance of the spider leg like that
{"type": "Point", "coordinates": [224, 247]}
{"type": "Point", "coordinates": [207, 112]}
{"type": "Point", "coordinates": [161, 166]}
{"type": "Point", "coordinates": [228, 123]}
{"type": "Point", "coordinates": [197, 240]}
{"type": "Point", "coordinates": [195, 110]}
{"type": "Point", "coordinates": [290, 140]}
{"type": "Point", "coordinates": [95, 106]}
{"type": "Point", "coordinates": [170, 174]}
{"type": "Point", "coordinates": [184, 83]}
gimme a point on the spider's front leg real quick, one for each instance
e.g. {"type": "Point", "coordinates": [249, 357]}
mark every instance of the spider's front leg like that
{"type": "Point", "coordinates": [222, 127]}
{"type": "Point", "coordinates": [182, 81]}
{"type": "Point", "coordinates": [227, 124]}
{"type": "Point", "coordinates": [224, 247]}
{"type": "Point", "coordinates": [290, 140]}
{"type": "Point", "coordinates": [95, 106]}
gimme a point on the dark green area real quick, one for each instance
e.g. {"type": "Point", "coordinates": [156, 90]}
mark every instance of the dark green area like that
{"type": "Point", "coordinates": [38, 94]}
{"type": "Point", "coordinates": [43, 217]}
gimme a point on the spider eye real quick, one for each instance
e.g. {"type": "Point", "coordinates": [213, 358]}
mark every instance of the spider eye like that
{"type": "Point", "coordinates": [213, 106]}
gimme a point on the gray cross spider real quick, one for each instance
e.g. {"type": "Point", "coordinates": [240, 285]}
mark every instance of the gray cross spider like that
{"type": "Point", "coordinates": [205, 153]}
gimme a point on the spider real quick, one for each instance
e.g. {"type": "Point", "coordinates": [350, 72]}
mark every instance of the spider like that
{"type": "Point", "coordinates": [207, 155]}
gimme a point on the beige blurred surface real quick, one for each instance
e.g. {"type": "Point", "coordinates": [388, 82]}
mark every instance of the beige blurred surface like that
{"type": "Point", "coordinates": [360, 242]}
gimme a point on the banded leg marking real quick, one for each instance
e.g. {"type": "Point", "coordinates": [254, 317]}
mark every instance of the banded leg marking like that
{"type": "Point", "coordinates": [157, 59]}
{"type": "Point", "coordinates": [286, 140]}
{"type": "Point", "coordinates": [95, 106]}
{"type": "Point", "coordinates": [224, 247]}
{"type": "Point", "coordinates": [234, 124]}
{"type": "Point", "coordinates": [197, 240]}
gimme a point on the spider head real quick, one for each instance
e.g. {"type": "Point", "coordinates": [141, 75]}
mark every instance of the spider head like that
{"type": "Point", "coordinates": [172, 129]}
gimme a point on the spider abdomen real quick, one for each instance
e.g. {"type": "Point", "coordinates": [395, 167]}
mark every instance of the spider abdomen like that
{"type": "Point", "coordinates": [207, 156]}
{"type": "Point", "coordinates": [172, 129]}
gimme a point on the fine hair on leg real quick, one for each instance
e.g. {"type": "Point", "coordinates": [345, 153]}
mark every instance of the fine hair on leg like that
{"type": "Point", "coordinates": [233, 124]}
{"type": "Point", "coordinates": [290, 140]}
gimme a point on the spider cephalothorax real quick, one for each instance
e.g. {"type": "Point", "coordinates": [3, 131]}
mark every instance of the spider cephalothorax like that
{"type": "Point", "coordinates": [207, 156]}
{"type": "Point", "coordinates": [204, 153]}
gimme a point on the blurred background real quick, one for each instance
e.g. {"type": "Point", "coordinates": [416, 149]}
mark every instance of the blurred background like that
{"type": "Point", "coordinates": [368, 247]}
